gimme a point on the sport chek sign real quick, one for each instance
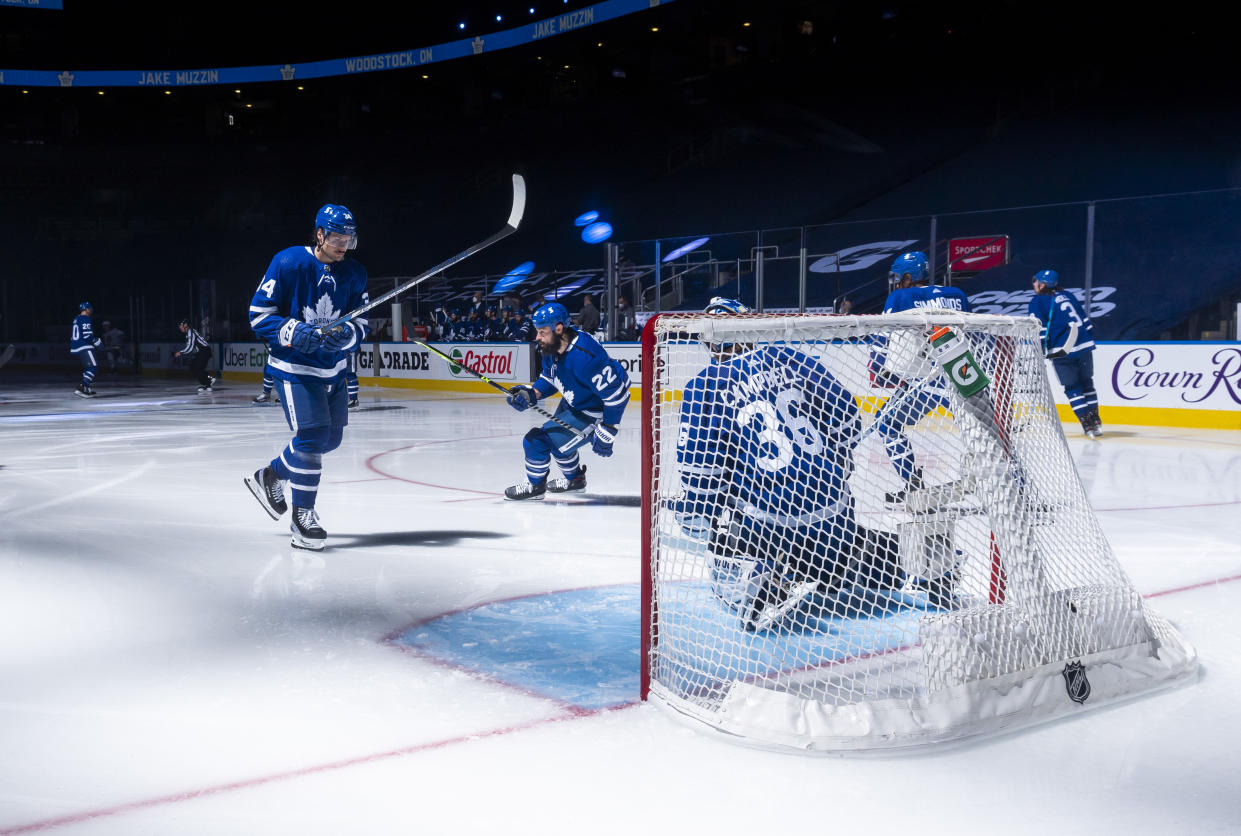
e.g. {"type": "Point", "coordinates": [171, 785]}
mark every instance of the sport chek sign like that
{"type": "Point", "coordinates": [971, 255]}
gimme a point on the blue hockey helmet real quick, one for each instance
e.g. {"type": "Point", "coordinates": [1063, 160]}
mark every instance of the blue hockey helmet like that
{"type": "Point", "coordinates": [722, 305]}
{"type": "Point", "coordinates": [1048, 277]}
{"type": "Point", "coordinates": [914, 264]}
{"type": "Point", "coordinates": [548, 315]}
{"type": "Point", "coordinates": [86, 306]}
{"type": "Point", "coordinates": [332, 217]}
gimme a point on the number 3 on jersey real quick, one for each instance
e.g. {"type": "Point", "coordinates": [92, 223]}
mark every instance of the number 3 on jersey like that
{"type": "Point", "coordinates": [773, 431]}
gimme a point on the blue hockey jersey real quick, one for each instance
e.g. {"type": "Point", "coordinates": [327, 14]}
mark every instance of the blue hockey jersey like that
{"type": "Point", "coordinates": [589, 380]}
{"type": "Point", "coordinates": [1066, 328]}
{"type": "Point", "coordinates": [900, 362]}
{"type": "Point", "coordinates": [83, 335]}
{"type": "Point", "coordinates": [770, 432]}
{"type": "Point", "coordinates": [298, 286]}
{"type": "Point", "coordinates": [926, 296]}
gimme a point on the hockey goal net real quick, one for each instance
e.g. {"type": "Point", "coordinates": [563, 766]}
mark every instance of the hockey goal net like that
{"type": "Point", "coordinates": [867, 532]}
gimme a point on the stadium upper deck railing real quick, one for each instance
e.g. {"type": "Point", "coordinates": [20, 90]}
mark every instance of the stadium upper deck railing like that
{"type": "Point", "coordinates": [1143, 262]}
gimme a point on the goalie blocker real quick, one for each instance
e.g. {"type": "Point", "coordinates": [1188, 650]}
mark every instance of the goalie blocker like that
{"type": "Point", "coordinates": [993, 603]}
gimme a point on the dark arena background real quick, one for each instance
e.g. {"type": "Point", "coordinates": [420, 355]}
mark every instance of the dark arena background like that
{"type": "Point", "coordinates": [455, 662]}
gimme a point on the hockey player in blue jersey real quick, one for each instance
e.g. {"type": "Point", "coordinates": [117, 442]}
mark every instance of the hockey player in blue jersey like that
{"type": "Point", "coordinates": [1068, 341]}
{"type": "Point", "coordinates": [594, 391]}
{"type": "Point", "coordinates": [84, 343]}
{"type": "Point", "coordinates": [269, 383]}
{"type": "Point", "coordinates": [765, 450]}
{"type": "Point", "coordinates": [904, 368]}
{"type": "Point", "coordinates": [303, 289]}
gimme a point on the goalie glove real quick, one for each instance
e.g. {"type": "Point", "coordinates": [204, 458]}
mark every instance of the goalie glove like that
{"type": "Point", "coordinates": [601, 442]}
{"type": "Point", "coordinates": [523, 397]}
{"type": "Point", "coordinates": [299, 336]}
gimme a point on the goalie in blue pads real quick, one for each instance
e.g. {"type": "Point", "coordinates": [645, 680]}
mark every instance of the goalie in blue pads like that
{"type": "Point", "coordinates": [765, 450]}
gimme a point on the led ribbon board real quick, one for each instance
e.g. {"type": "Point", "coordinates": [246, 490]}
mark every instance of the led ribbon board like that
{"type": "Point", "coordinates": [421, 56]}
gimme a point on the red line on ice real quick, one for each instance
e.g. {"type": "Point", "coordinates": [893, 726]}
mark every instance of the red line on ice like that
{"type": "Point", "coordinates": [574, 713]}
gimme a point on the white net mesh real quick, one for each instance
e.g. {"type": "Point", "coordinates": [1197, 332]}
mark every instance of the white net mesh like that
{"type": "Point", "coordinates": [868, 532]}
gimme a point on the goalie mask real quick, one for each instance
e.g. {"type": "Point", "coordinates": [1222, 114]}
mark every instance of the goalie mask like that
{"type": "Point", "coordinates": [914, 265]}
{"type": "Point", "coordinates": [721, 350]}
{"type": "Point", "coordinates": [337, 222]}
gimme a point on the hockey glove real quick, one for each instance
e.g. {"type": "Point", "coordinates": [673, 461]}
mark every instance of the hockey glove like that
{"type": "Point", "coordinates": [602, 441]}
{"type": "Point", "coordinates": [300, 336]}
{"type": "Point", "coordinates": [98, 343]}
{"type": "Point", "coordinates": [340, 338]}
{"type": "Point", "coordinates": [522, 397]}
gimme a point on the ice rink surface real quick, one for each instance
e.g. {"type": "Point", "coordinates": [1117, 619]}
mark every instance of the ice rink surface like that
{"type": "Point", "coordinates": [456, 663]}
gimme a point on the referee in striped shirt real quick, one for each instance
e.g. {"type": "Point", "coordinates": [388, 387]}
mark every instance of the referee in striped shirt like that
{"type": "Point", "coordinates": [200, 350]}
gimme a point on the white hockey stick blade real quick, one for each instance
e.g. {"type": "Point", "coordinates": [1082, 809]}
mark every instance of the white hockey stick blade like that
{"type": "Point", "coordinates": [519, 201]}
{"type": "Point", "coordinates": [514, 219]}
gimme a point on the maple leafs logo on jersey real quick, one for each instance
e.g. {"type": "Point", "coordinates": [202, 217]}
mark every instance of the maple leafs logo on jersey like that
{"type": "Point", "coordinates": [322, 313]}
{"type": "Point", "coordinates": [567, 394]}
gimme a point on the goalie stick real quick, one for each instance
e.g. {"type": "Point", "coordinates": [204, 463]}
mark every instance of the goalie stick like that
{"type": "Point", "coordinates": [501, 387]}
{"type": "Point", "coordinates": [514, 219]}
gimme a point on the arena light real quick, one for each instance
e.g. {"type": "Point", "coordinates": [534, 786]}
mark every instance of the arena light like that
{"type": "Point", "coordinates": [514, 277]}
{"type": "Point", "coordinates": [597, 233]}
{"type": "Point", "coordinates": [586, 218]}
{"type": "Point", "coordinates": [685, 248]}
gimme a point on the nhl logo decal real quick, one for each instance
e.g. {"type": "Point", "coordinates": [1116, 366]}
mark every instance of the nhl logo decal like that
{"type": "Point", "coordinates": [1075, 682]}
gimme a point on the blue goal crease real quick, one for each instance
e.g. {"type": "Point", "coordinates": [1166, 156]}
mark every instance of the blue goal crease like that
{"type": "Point", "coordinates": [582, 647]}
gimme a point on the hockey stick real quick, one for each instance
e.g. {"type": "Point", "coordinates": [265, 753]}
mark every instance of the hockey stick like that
{"type": "Point", "coordinates": [7, 354]}
{"type": "Point", "coordinates": [455, 362]}
{"type": "Point", "coordinates": [514, 218]}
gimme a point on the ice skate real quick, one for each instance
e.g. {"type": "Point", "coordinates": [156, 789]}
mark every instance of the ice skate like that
{"type": "Point", "coordinates": [563, 484]}
{"type": "Point", "coordinates": [353, 403]}
{"type": "Point", "coordinates": [776, 600]}
{"type": "Point", "coordinates": [84, 391]}
{"type": "Point", "coordinates": [307, 533]}
{"type": "Point", "coordinates": [1093, 425]}
{"type": "Point", "coordinates": [525, 490]}
{"type": "Point", "coordinates": [269, 491]}
{"type": "Point", "coordinates": [264, 397]}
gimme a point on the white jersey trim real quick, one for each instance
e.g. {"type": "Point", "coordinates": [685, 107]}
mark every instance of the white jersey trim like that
{"type": "Point", "coordinates": [310, 371]}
